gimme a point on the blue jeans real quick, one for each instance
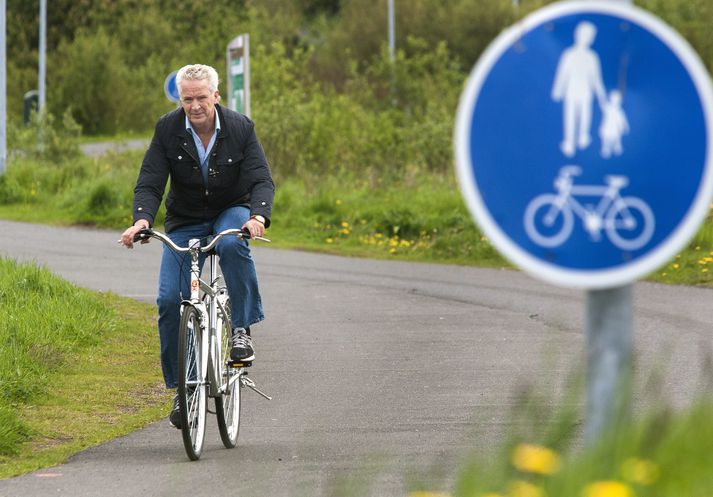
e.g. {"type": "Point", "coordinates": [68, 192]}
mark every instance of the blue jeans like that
{"type": "Point", "coordinates": [174, 283]}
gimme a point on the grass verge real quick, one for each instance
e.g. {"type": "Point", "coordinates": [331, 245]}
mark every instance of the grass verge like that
{"type": "Point", "coordinates": [415, 215]}
{"type": "Point", "coordinates": [78, 368]}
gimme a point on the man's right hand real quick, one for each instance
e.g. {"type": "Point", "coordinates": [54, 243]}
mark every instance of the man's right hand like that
{"type": "Point", "coordinates": [127, 237]}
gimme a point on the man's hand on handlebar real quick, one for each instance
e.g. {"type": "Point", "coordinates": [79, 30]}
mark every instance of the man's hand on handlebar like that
{"type": "Point", "coordinates": [128, 236]}
{"type": "Point", "coordinates": [255, 227]}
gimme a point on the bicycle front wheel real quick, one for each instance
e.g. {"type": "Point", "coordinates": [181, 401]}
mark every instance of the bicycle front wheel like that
{"type": "Point", "coordinates": [227, 405]}
{"type": "Point", "coordinates": [548, 222]}
{"type": "Point", "coordinates": [192, 395]}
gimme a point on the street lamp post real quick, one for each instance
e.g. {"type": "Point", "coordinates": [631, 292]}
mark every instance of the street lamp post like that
{"type": "Point", "coordinates": [42, 57]}
{"type": "Point", "coordinates": [3, 90]}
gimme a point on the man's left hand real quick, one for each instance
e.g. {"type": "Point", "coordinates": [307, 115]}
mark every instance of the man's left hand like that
{"type": "Point", "coordinates": [255, 227]}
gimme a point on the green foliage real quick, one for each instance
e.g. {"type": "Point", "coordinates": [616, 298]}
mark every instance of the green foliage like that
{"type": "Point", "coordinates": [46, 138]}
{"type": "Point", "coordinates": [326, 96]}
{"type": "Point", "coordinates": [84, 190]}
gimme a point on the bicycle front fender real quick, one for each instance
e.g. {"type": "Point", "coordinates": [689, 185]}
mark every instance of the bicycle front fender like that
{"type": "Point", "coordinates": [199, 307]}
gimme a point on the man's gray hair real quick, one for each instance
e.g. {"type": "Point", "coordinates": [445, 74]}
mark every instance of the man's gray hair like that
{"type": "Point", "coordinates": [197, 72]}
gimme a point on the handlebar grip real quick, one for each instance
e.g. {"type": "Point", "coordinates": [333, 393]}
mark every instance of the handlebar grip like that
{"type": "Point", "coordinates": [144, 234]}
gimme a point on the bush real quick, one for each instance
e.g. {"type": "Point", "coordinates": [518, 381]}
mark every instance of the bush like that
{"type": "Point", "coordinates": [46, 138]}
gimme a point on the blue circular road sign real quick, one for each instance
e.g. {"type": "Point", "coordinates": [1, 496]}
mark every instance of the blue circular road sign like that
{"type": "Point", "coordinates": [583, 143]}
{"type": "Point", "coordinates": [170, 88]}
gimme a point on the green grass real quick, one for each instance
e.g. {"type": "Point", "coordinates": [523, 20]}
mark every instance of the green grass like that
{"type": "Point", "coordinates": [76, 368]}
{"type": "Point", "coordinates": [416, 215]}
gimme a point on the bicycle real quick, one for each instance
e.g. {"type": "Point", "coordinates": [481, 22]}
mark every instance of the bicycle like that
{"type": "Point", "coordinates": [204, 363]}
{"type": "Point", "coordinates": [627, 221]}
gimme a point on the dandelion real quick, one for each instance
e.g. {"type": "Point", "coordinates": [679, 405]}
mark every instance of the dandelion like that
{"type": "Point", "coordinates": [607, 489]}
{"type": "Point", "coordinates": [392, 250]}
{"type": "Point", "coordinates": [424, 493]}
{"type": "Point", "coordinates": [338, 202]}
{"type": "Point", "coordinates": [705, 270]}
{"type": "Point", "coordinates": [329, 240]}
{"type": "Point", "coordinates": [676, 266]}
{"type": "Point", "coordinates": [345, 224]}
{"type": "Point", "coordinates": [535, 459]}
{"type": "Point", "coordinates": [640, 471]}
{"type": "Point", "coordinates": [521, 488]}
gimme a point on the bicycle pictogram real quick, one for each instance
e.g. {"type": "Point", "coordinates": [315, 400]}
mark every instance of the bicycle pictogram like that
{"type": "Point", "coordinates": [627, 221]}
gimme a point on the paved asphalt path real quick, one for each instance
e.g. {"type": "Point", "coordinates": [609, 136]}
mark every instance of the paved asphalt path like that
{"type": "Point", "coordinates": [384, 374]}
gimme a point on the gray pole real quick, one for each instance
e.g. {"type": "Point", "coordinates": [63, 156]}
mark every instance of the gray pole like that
{"type": "Point", "coordinates": [42, 52]}
{"type": "Point", "coordinates": [392, 37]}
{"type": "Point", "coordinates": [609, 332]}
{"type": "Point", "coordinates": [3, 90]}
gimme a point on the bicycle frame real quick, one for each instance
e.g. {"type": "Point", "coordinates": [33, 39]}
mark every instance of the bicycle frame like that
{"type": "Point", "coordinates": [607, 196]}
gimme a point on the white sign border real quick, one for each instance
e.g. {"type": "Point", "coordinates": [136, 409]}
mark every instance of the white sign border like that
{"type": "Point", "coordinates": [585, 279]}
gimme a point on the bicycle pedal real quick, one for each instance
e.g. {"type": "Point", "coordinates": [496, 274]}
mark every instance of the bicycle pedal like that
{"type": "Point", "coordinates": [240, 364]}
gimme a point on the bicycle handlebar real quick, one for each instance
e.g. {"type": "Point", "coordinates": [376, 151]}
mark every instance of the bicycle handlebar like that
{"type": "Point", "coordinates": [244, 234]}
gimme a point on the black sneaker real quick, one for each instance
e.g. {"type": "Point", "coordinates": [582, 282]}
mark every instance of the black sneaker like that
{"type": "Point", "coordinates": [242, 349]}
{"type": "Point", "coordinates": [175, 417]}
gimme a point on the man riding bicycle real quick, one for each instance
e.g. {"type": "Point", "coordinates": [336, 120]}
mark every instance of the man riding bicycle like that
{"type": "Point", "coordinates": [220, 179]}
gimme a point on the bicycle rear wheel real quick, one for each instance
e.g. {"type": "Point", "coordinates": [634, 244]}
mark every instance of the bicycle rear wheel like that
{"type": "Point", "coordinates": [192, 395]}
{"type": "Point", "coordinates": [227, 405]}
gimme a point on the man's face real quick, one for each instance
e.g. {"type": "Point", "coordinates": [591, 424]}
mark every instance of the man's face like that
{"type": "Point", "coordinates": [198, 102]}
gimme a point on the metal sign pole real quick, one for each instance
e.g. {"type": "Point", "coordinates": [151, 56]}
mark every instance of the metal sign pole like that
{"type": "Point", "coordinates": [42, 57]}
{"type": "Point", "coordinates": [392, 31]}
{"type": "Point", "coordinates": [609, 334]}
{"type": "Point", "coordinates": [3, 90]}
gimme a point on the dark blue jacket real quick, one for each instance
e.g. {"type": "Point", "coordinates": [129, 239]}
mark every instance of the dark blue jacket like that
{"type": "Point", "coordinates": [238, 173]}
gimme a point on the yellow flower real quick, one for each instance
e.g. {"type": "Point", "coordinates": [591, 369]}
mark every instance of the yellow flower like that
{"type": "Point", "coordinates": [535, 459]}
{"type": "Point", "coordinates": [676, 266]}
{"type": "Point", "coordinates": [491, 495]}
{"type": "Point", "coordinates": [640, 471]}
{"type": "Point", "coordinates": [425, 493]}
{"type": "Point", "coordinates": [338, 202]}
{"type": "Point", "coordinates": [520, 488]}
{"type": "Point", "coordinates": [329, 240]}
{"type": "Point", "coordinates": [704, 270]}
{"type": "Point", "coordinates": [607, 489]}
{"type": "Point", "coordinates": [345, 224]}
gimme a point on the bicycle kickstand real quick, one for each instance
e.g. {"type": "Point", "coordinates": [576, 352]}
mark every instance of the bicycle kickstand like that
{"type": "Point", "coordinates": [247, 382]}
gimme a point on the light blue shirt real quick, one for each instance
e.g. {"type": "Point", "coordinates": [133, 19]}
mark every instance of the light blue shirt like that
{"type": "Point", "coordinates": [203, 152]}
